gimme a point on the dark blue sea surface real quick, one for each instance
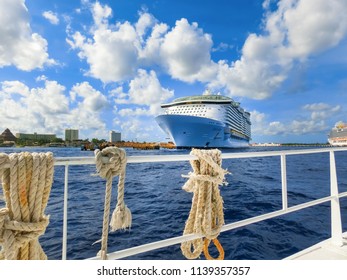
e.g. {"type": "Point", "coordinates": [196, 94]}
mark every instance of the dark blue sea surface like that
{"type": "Point", "coordinates": [159, 206]}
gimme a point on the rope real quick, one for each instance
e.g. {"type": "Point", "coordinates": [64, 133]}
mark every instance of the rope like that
{"type": "Point", "coordinates": [115, 166]}
{"type": "Point", "coordinates": [206, 216]}
{"type": "Point", "coordinates": [26, 187]}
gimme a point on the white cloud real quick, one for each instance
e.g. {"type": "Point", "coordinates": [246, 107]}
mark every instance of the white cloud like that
{"type": "Point", "coordinates": [222, 47]}
{"type": "Point", "coordinates": [112, 56]}
{"type": "Point", "coordinates": [51, 17]}
{"type": "Point", "coordinates": [93, 100]}
{"type": "Point", "coordinates": [314, 26]}
{"type": "Point", "coordinates": [183, 52]}
{"type": "Point", "coordinates": [49, 100]}
{"type": "Point", "coordinates": [186, 53]}
{"type": "Point", "coordinates": [135, 129]}
{"type": "Point", "coordinates": [261, 125]}
{"type": "Point", "coordinates": [25, 109]}
{"type": "Point", "coordinates": [149, 53]}
{"type": "Point", "coordinates": [101, 13]}
{"type": "Point", "coordinates": [145, 90]}
{"type": "Point", "coordinates": [321, 111]}
{"type": "Point", "coordinates": [297, 30]}
{"type": "Point", "coordinates": [146, 94]}
{"type": "Point", "coordinates": [145, 22]}
{"type": "Point", "coordinates": [318, 107]}
{"type": "Point", "coordinates": [18, 45]}
{"type": "Point", "coordinates": [14, 87]}
{"type": "Point", "coordinates": [111, 53]}
{"type": "Point", "coordinates": [314, 122]}
{"type": "Point", "coordinates": [133, 112]}
{"type": "Point", "coordinates": [293, 32]}
{"type": "Point", "coordinates": [48, 109]}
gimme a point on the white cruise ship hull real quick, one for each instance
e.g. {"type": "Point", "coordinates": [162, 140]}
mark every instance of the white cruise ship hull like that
{"type": "Point", "coordinates": [338, 142]}
{"type": "Point", "coordinates": [198, 132]}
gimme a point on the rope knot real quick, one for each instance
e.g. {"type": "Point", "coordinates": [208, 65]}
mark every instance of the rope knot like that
{"type": "Point", "coordinates": [111, 162]}
{"type": "Point", "coordinates": [26, 186]}
{"type": "Point", "coordinates": [211, 159]}
{"type": "Point", "coordinates": [15, 234]}
{"type": "Point", "coordinates": [206, 216]}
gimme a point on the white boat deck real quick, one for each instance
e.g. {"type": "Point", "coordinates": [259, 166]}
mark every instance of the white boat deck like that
{"type": "Point", "coordinates": [324, 250]}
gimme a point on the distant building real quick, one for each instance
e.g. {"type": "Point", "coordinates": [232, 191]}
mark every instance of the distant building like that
{"type": "Point", "coordinates": [7, 136]}
{"type": "Point", "coordinates": [71, 134]}
{"type": "Point", "coordinates": [115, 136]}
{"type": "Point", "coordinates": [36, 136]}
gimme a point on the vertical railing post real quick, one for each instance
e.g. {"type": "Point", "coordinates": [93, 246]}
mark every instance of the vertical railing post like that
{"type": "Point", "coordinates": [284, 182]}
{"type": "Point", "coordinates": [66, 182]}
{"type": "Point", "coordinates": [336, 224]}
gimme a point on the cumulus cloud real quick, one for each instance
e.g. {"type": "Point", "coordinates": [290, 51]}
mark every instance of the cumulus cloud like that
{"type": "Point", "coordinates": [23, 109]}
{"type": "Point", "coordinates": [111, 53]}
{"type": "Point", "coordinates": [314, 120]}
{"type": "Point", "coordinates": [111, 56]}
{"type": "Point", "coordinates": [150, 51]}
{"type": "Point", "coordinates": [101, 13]}
{"type": "Point", "coordinates": [146, 93]}
{"type": "Point", "coordinates": [19, 46]}
{"type": "Point", "coordinates": [183, 52]}
{"type": "Point", "coordinates": [51, 17]}
{"type": "Point", "coordinates": [14, 87]}
{"type": "Point", "coordinates": [93, 100]}
{"type": "Point", "coordinates": [134, 129]}
{"type": "Point", "coordinates": [294, 32]}
{"type": "Point", "coordinates": [48, 109]}
{"type": "Point", "coordinates": [186, 50]}
{"type": "Point", "coordinates": [321, 111]}
{"type": "Point", "coordinates": [145, 90]}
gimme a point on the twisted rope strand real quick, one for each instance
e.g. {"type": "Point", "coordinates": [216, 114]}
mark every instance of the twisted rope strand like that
{"type": "Point", "coordinates": [115, 166]}
{"type": "Point", "coordinates": [26, 186]}
{"type": "Point", "coordinates": [206, 216]}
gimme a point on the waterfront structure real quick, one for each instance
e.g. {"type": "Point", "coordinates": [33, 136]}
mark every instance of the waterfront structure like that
{"type": "Point", "coordinates": [71, 134]}
{"type": "Point", "coordinates": [338, 135]}
{"type": "Point", "coordinates": [206, 121]}
{"type": "Point", "coordinates": [7, 135]}
{"type": "Point", "coordinates": [36, 136]}
{"type": "Point", "coordinates": [115, 136]}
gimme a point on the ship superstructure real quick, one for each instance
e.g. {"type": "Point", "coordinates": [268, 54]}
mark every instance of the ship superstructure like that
{"type": "Point", "coordinates": [338, 135]}
{"type": "Point", "coordinates": [206, 121]}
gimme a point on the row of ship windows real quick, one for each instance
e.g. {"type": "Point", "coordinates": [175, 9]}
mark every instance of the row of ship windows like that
{"type": "Point", "coordinates": [191, 106]}
{"type": "Point", "coordinates": [190, 114]}
{"type": "Point", "coordinates": [188, 111]}
{"type": "Point", "coordinates": [238, 126]}
{"type": "Point", "coordinates": [237, 115]}
{"type": "Point", "coordinates": [239, 120]}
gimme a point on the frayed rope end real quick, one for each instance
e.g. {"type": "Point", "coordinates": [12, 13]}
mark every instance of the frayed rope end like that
{"type": "Point", "coordinates": [121, 218]}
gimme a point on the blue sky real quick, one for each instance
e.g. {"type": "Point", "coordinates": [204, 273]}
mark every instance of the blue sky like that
{"type": "Point", "coordinates": [108, 65]}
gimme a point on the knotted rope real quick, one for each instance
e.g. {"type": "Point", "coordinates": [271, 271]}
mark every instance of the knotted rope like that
{"type": "Point", "coordinates": [206, 216]}
{"type": "Point", "coordinates": [113, 165]}
{"type": "Point", "coordinates": [26, 186]}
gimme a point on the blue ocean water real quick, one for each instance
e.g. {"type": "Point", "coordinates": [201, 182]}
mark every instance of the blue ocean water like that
{"type": "Point", "coordinates": [160, 207]}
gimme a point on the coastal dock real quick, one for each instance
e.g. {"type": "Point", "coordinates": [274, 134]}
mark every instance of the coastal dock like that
{"type": "Point", "coordinates": [130, 144]}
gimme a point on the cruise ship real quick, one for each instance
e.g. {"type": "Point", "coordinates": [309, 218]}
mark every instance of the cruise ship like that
{"type": "Point", "coordinates": [206, 121]}
{"type": "Point", "coordinates": [338, 135]}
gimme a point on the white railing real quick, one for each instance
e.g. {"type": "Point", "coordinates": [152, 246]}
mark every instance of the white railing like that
{"type": "Point", "coordinates": [334, 198]}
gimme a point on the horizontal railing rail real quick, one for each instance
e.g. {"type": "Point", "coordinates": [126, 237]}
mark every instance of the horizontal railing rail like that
{"type": "Point", "coordinates": [187, 157]}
